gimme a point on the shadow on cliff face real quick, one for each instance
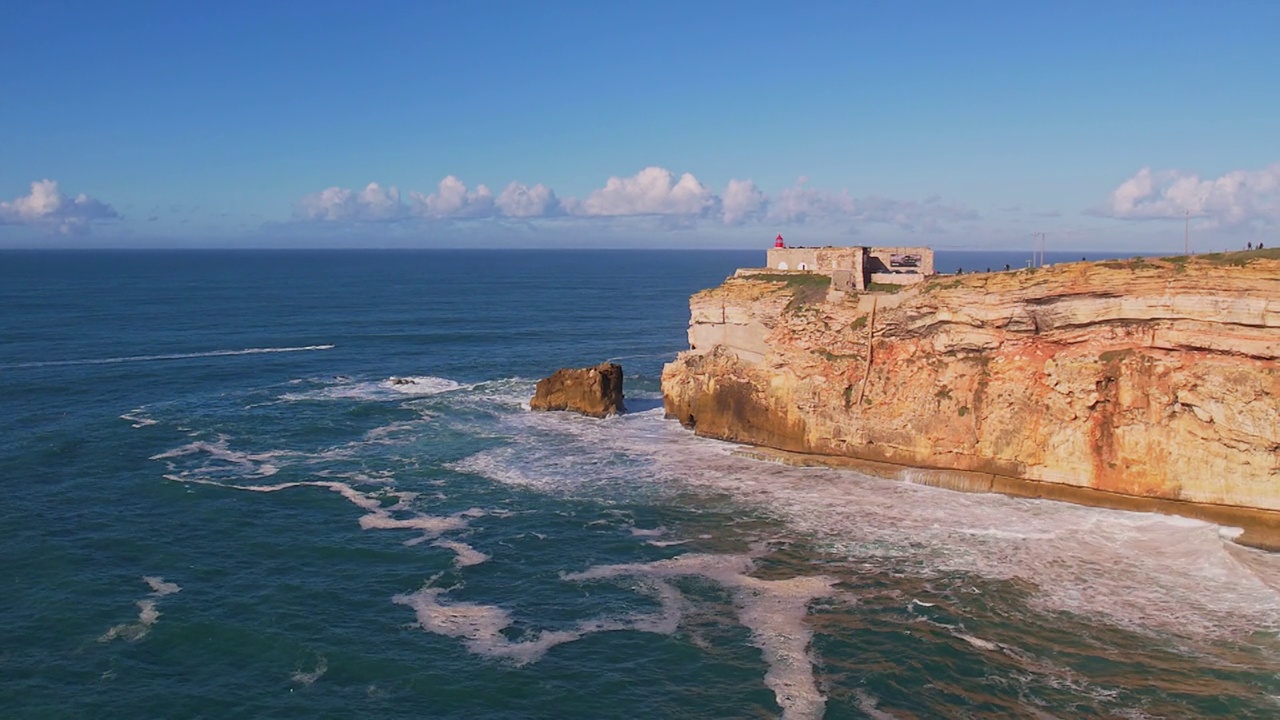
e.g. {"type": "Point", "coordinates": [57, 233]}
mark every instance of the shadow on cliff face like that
{"type": "Point", "coordinates": [732, 411]}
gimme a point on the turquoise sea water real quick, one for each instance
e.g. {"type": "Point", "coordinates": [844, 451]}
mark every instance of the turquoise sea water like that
{"type": "Point", "coordinates": [306, 484]}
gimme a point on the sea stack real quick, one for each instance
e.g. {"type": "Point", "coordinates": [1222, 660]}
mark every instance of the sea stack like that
{"type": "Point", "coordinates": [594, 391]}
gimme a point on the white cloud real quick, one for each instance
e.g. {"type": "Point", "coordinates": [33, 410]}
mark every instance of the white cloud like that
{"type": "Point", "coordinates": [452, 199]}
{"type": "Point", "coordinates": [1240, 197]}
{"type": "Point", "coordinates": [652, 191]}
{"type": "Point", "coordinates": [47, 205]}
{"type": "Point", "coordinates": [741, 200]}
{"type": "Point", "coordinates": [521, 201]}
{"type": "Point", "coordinates": [373, 204]}
{"type": "Point", "coordinates": [801, 203]}
{"type": "Point", "coordinates": [798, 203]}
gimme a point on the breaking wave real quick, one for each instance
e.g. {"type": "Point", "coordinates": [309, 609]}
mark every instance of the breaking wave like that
{"type": "Point", "coordinates": [393, 388]}
{"type": "Point", "coordinates": [1140, 571]}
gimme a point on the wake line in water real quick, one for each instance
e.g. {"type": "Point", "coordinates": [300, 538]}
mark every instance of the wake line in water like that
{"type": "Point", "coordinates": [173, 356]}
{"type": "Point", "coordinates": [670, 354]}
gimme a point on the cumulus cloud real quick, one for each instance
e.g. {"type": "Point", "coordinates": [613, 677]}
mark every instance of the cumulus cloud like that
{"type": "Point", "coordinates": [741, 200]}
{"type": "Point", "coordinates": [452, 199]}
{"type": "Point", "coordinates": [49, 206]}
{"type": "Point", "coordinates": [373, 204]}
{"type": "Point", "coordinates": [521, 201]}
{"type": "Point", "coordinates": [652, 191]}
{"type": "Point", "coordinates": [1240, 197]}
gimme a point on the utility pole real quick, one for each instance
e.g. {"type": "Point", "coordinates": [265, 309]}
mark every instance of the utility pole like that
{"type": "Point", "coordinates": [1037, 249]}
{"type": "Point", "coordinates": [1186, 232]}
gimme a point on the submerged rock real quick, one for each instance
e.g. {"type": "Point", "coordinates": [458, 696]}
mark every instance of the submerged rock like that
{"type": "Point", "coordinates": [594, 391]}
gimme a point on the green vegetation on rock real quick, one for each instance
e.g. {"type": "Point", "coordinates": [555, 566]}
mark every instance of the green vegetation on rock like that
{"type": "Point", "coordinates": [884, 287]}
{"type": "Point", "coordinates": [793, 280]}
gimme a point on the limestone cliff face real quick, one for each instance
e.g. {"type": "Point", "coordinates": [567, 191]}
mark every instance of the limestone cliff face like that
{"type": "Point", "coordinates": [1155, 378]}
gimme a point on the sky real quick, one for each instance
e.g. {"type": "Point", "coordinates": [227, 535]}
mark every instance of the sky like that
{"type": "Point", "coordinates": [961, 125]}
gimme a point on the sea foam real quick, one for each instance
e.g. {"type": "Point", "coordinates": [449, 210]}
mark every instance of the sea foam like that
{"type": "Point", "coordinates": [1143, 572]}
{"type": "Point", "coordinates": [148, 614]}
{"type": "Point", "coordinates": [393, 388]}
{"type": "Point", "coordinates": [168, 356]}
{"type": "Point", "coordinates": [137, 418]}
{"type": "Point", "coordinates": [307, 678]}
{"type": "Point", "coordinates": [773, 610]}
{"type": "Point", "coordinates": [376, 517]}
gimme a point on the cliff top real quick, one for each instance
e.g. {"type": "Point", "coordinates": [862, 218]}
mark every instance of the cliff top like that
{"type": "Point", "coordinates": [1253, 272]}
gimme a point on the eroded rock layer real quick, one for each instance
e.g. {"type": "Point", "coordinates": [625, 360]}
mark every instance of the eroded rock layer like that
{"type": "Point", "coordinates": [1152, 379]}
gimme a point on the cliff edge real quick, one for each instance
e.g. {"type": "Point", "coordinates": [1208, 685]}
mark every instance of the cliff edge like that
{"type": "Point", "coordinates": [1147, 379]}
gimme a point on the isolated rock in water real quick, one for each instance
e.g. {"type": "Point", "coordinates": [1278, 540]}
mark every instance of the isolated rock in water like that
{"type": "Point", "coordinates": [594, 391]}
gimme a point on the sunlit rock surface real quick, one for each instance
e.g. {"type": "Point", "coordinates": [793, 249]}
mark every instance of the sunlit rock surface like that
{"type": "Point", "coordinates": [594, 391]}
{"type": "Point", "coordinates": [1143, 378]}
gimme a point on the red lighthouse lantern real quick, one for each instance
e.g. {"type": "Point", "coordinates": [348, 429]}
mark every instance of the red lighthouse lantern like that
{"type": "Point", "coordinates": [779, 243]}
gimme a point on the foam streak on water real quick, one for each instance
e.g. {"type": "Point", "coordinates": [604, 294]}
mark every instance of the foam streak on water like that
{"type": "Point", "coordinates": [170, 356]}
{"type": "Point", "coordinates": [774, 611]}
{"type": "Point", "coordinates": [137, 418]}
{"type": "Point", "coordinates": [377, 516]}
{"type": "Point", "coordinates": [147, 612]}
{"type": "Point", "coordinates": [466, 555]}
{"type": "Point", "coordinates": [1140, 571]}
{"type": "Point", "coordinates": [480, 626]}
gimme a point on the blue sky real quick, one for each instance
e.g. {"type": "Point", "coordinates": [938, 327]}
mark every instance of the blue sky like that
{"type": "Point", "coordinates": [680, 124]}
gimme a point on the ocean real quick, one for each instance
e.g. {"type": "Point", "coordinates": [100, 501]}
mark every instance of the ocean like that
{"type": "Point", "coordinates": [306, 484]}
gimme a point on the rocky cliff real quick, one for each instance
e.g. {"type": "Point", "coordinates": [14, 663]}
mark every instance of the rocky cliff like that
{"type": "Point", "coordinates": [1153, 379]}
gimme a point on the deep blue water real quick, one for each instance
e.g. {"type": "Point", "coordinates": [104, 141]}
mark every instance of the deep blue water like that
{"type": "Point", "coordinates": [219, 504]}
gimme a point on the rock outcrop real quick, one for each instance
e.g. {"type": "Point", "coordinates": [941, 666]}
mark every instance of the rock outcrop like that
{"type": "Point", "coordinates": [594, 391]}
{"type": "Point", "coordinates": [1140, 378]}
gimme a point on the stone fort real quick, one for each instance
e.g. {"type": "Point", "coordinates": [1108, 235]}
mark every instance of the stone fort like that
{"type": "Point", "coordinates": [855, 268]}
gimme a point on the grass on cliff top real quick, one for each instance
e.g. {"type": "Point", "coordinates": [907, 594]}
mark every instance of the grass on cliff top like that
{"type": "Point", "coordinates": [793, 280]}
{"type": "Point", "coordinates": [1239, 258]}
{"type": "Point", "coordinates": [805, 288]}
{"type": "Point", "coordinates": [1134, 264]}
{"type": "Point", "coordinates": [885, 287]}
{"type": "Point", "coordinates": [796, 281]}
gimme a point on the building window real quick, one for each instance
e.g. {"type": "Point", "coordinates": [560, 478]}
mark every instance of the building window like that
{"type": "Point", "coordinates": [782, 265]}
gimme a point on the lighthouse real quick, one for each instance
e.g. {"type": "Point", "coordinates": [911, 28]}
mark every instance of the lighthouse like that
{"type": "Point", "coordinates": [779, 243]}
